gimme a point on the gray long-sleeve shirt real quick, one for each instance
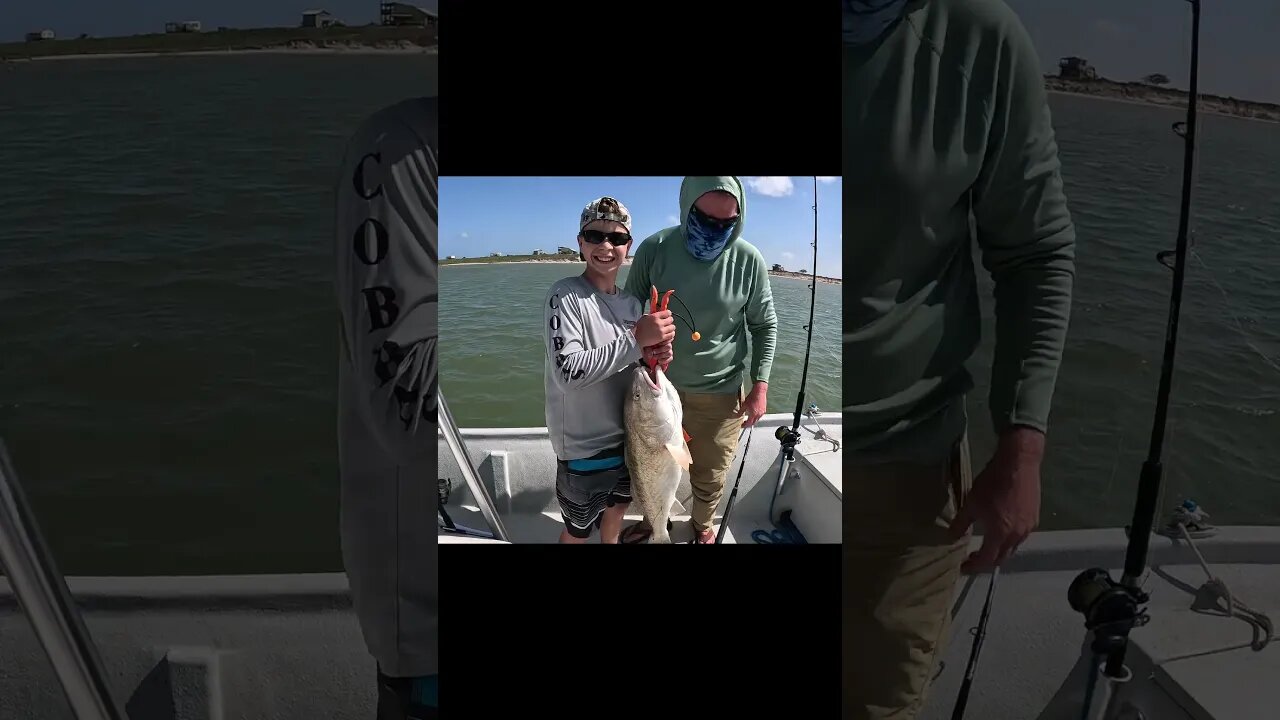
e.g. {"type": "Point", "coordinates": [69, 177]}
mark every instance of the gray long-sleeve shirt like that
{"type": "Point", "coordinates": [589, 345]}
{"type": "Point", "coordinates": [386, 234]}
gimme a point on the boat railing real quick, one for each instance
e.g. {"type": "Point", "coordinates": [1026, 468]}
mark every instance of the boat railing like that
{"type": "Point", "coordinates": [453, 436]}
{"type": "Point", "coordinates": [45, 599]}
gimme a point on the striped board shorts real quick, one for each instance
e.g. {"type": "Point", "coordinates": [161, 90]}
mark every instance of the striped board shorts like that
{"type": "Point", "coordinates": [585, 488]}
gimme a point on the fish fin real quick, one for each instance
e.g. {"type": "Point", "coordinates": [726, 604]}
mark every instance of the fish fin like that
{"type": "Point", "coordinates": [676, 507]}
{"type": "Point", "coordinates": [681, 453]}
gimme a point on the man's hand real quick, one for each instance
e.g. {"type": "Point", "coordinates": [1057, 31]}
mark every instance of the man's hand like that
{"type": "Point", "coordinates": [661, 354]}
{"type": "Point", "coordinates": [755, 403]}
{"type": "Point", "coordinates": [1005, 499]}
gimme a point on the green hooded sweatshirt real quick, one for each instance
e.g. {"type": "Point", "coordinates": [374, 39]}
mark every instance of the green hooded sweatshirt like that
{"type": "Point", "coordinates": [729, 298]}
{"type": "Point", "coordinates": [948, 145]}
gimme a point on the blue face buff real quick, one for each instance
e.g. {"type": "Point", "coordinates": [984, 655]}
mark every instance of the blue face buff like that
{"type": "Point", "coordinates": [707, 236]}
{"type": "Point", "coordinates": [866, 20]}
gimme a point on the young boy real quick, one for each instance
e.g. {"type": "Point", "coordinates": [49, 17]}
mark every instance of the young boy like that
{"type": "Point", "coordinates": [594, 333]}
{"type": "Point", "coordinates": [385, 241]}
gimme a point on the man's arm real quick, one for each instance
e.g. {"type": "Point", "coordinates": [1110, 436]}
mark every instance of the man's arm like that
{"type": "Point", "coordinates": [577, 365]}
{"type": "Point", "coordinates": [762, 323]}
{"type": "Point", "coordinates": [1028, 246]}
{"type": "Point", "coordinates": [1027, 240]}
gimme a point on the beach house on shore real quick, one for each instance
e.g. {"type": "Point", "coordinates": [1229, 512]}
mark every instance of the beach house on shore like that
{"type": "Point", "coordinates": [186, 26]}
{"type": "Point", "coordinates": [1075, 68]}
{"type": "Point", "coordinates": [402, 14]}
{"type": "Point", "coordinates": [318, 19]}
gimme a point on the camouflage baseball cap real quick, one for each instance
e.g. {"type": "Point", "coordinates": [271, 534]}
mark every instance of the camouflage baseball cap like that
{"type": "Point", "coordinates": [605, 208]}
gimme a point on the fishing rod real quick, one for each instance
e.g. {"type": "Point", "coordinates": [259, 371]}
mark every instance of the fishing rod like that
{"type": "Point", "coordinates": [728, 508]}
{"type": "Point", "coordinates": [1112, 609]}
{"type": "Point", "coordinates": [790, 437]}
{"type": "Point", "coordinates": [962, 700]}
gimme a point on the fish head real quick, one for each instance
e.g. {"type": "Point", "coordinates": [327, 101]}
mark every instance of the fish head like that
{"type": "Point", "coordinates": [649, 402]}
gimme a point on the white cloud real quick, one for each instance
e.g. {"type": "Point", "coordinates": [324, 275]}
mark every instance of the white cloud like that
{"type": "Point", "coordinates": [827, 178]}
{"type": "Point", "coordinates": [465, 235]}
{"type": "Point", "coordinates": [771, 186]}
{"type": "Point", "coordinates": [788, 256]}
{"type": "Point", "coordinates": [673, 220]}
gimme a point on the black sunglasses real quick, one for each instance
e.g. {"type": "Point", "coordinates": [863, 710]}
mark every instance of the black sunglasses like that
{"type": "Point", "coordinates": [595, 237]}
{"type": "Point", "coordinates": [717, 223]}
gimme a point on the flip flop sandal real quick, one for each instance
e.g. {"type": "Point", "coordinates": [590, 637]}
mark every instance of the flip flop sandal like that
{"type": "Point", "coordinates": [639, 533]}
{"type": "Point", "coordinates": [635, 534]}
{"type": "Point", "coordinates": [703, 537]}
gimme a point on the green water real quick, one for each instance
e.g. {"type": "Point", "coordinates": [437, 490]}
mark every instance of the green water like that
{"type": "Point", "coordinates": [167, 311]}
{"type": "Point", "coordinates": [1123, 172]}
{"type": "Point", "coordinates": [168, 376]}
{"type": "Point", "coordinates": [492, 353]}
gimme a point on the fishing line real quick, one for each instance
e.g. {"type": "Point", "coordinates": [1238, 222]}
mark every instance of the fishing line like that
{"type": "Point", "coordinates": [687, 320]}
{"type": "Point", "coordinates": [1244, 334]}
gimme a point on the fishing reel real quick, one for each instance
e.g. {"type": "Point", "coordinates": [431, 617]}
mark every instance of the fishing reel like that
{"type": "Point", "coordinates": [1111, 610]}
{"type": "Point", "coordinates": [787, 436]}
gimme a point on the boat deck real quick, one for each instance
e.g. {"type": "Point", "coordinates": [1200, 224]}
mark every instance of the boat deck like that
{"type": "Point", "coordinates": [1186, 664]}
{"type": "Point", "coordinates": [517, 467]}
{"type": "Point", "coordinates": [255, 646]}
{"type": "Point", "coordinates": [259, 646]}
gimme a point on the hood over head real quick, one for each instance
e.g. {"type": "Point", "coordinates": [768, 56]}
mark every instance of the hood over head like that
{"type": "Point", "coordinates": [695, 187]}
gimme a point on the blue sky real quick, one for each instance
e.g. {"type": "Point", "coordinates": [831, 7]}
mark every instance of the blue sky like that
{"type": "Point", "coordinates": [515, 215]}
{"type": "Point", "coordinates": [1127, 39]}
{"type": "Point", "coordinates": [69, 18]}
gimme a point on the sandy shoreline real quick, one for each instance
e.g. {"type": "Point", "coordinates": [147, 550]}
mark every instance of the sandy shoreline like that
{"type": "Point", "coordinates": [1152, 96]}
{"type": "Point", "coordinates": [798, 276]}
{"type": "Point", "coordinates": [793, 276]}
{"type": "Point", "coordinates": [525, 262]}
{"type": "Point", "coordinates": [1201, 109]}
{"type": "Point", "coordinates": [415, 50]}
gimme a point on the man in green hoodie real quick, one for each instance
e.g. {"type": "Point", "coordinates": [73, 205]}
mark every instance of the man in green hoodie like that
{"type": "Point", "coordinates": [724, 282]}
{"type": "Point", "coordinates": [947, 143]}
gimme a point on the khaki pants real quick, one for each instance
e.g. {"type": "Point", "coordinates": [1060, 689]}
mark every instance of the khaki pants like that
{"type": "Point", "coordinates": [713, 425]}
{"type": "Point", "coordinates": [900, 571]}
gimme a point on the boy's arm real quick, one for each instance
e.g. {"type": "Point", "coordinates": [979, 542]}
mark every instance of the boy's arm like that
{"type": "Point", "coordinates": [565, 335]}
{"type": "Point", "coordinates": [387, 276]}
